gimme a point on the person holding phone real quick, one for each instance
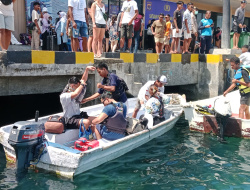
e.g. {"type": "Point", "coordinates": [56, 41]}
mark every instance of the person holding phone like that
{"type": "Point", "coordinates": [206, 26]}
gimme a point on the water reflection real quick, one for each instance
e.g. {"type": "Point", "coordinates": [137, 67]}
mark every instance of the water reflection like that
{"type": "Point", "coordinates": [180, 159]}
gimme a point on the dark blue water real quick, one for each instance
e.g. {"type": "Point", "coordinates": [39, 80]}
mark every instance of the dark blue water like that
{"type": "Point", "coordinates": [178, 160]}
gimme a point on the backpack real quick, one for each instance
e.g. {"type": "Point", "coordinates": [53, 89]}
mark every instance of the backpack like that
{"type": "Point", "coordinates": [137, 24]}
{"type": "Point", "coordinates": [25, 39]}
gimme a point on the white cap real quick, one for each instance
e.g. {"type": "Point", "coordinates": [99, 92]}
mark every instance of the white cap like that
{"type": "Point", "coordinates": [44, 9]}
{"type": "Point", "coordinates": [162, 79]}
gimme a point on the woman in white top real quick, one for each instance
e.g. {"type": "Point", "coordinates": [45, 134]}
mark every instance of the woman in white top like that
{"type": "Point", "coordinates": [99, 26]}
{"type": "Point", "coordinates": [6, 23]}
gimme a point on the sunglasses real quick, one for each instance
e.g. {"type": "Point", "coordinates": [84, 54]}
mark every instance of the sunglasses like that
{"type": "Point", "coordinates": [103, 101]}
{"type": "Point", "coordinates": [161, 17]}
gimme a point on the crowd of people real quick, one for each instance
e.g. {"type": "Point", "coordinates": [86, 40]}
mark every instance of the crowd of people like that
{"type": "Point", "coordinates": [90, 28]}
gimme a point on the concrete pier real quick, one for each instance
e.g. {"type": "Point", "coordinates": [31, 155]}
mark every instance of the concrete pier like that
{"type": "Point", "coordinates": [38, 72]}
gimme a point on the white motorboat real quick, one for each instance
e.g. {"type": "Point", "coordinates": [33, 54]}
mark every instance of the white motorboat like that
{"type": "Point", "coordinates": [60, 157]}
{"type": "Point", "coordinates": [207, 123]}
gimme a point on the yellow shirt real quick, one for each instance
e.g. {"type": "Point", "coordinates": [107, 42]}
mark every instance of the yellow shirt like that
{"type": "Point", "coordinates": [168, 26]}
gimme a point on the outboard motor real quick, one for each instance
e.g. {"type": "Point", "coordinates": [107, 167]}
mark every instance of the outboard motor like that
{"type": "Point", "coordinates": [27, 138]}
{"type": "Point", "coordinates": [222, 109]}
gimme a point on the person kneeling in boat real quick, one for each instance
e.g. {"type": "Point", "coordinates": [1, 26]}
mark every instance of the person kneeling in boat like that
{"type": "Point", "coordinates": [144, 96]}
{"type": "Point", "coordinates": [71, 102]}
{"type": "Point", "coordinates": [111, 123]}
{"type": "Point", "coordinates": [242, 81]}
{"type": "Point", "coordinates": [154, 107]}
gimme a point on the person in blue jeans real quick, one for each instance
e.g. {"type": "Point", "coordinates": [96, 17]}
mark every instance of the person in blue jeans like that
{"type": "Point", "coordinates": [78, 15]}
{"type": "Point", "coordinates": [205, 26]}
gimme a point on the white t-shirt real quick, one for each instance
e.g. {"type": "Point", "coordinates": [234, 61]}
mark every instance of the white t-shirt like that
{"type": "Point", "coordinates": [70, 107]}
{"type": "Point", "coordinates": [36, 16]}
{"type": "Point", "coordinates": [78, 9]}
{"type": "Point", "coordinates": [6, 10]}
{"type": "Point", "coordinates": [129, 8]}
{"type": "Point", "coordinates": [99, 19]}
{"type": "Point", "coordinates": [245, 58]}
{"type": "Point", "coordinates": [144, 91]}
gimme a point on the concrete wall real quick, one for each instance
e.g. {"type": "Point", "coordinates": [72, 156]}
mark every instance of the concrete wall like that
{"type": "Point", "coordinates": [35, 72]}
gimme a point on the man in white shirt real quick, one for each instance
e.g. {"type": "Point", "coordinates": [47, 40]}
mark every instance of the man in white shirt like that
{"type": "Point", "coordinates": [78, 15]}
{"type": "Point", "coordinates": [187, 27]}
{"type": "Point", "coordinates": [6, 24]}
{"type": "Point", "coordinates": [36, 32]}
{"type": "Point", "coordinates": [144, 95]}
{"type": "Point", "coordinates": [245, 56]}
{"type": "Point", "coordinates": [70, 101]}
{"type": "Point", "coordinates": [128, 15]}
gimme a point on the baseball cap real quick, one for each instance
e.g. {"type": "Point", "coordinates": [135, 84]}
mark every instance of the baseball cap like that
{"type": "Point", "coordinates": [59, 12]}
{"type": "Point", "coordinates": [244, 1]}
{"type": "Point", "coordinates": [162, 79]}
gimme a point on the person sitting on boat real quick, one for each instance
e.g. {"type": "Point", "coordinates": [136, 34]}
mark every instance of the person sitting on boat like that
{"type": "Point", "coordinates": [110, 83]}
{"type": "Point", "coordinates": [111, 123]}
{"type": "Point", "coordinates": [242, 81]}
{"type": "Point", "coordinates": [143, 95]}
{"type": "Point", "coordinates": [71, 103]}
{"type": "Point", "coordinates": [154, 106]}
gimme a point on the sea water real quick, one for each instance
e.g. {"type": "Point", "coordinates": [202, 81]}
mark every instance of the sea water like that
{"type": "Point", "coordinates": [177, 160]}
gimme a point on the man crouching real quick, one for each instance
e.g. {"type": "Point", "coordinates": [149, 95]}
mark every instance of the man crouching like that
{"type": "Point", "coordinates": [111, 123]}
{"type": "Point", "coordinates": [70, 100]}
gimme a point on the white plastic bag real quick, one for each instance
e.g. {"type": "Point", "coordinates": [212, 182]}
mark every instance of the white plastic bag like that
{"type": "Point", "coordinates": [222, 106]}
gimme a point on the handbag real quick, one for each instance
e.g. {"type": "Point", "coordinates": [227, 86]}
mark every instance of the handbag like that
{"type": "Point", "coordinates": [105, 16]}
{"type": "Point", "coordinates": [55, 124]}
{"type": "Point", "coordinates": [149, 31]}
{"type": "Point", "coordinates": [6, 2]}
{"type": "Point", "coordinates": [31, 26]}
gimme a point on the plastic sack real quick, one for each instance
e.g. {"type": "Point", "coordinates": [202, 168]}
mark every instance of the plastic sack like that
{"type": "Point", "coordinates": [222, 106]}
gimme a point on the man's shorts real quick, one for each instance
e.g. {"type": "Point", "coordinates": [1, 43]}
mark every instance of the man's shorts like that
{"type": "Point", "coordinates": [245, 99]}
{"type": "Point", "coordinates": [159, 40]}
{"type": "Point", "coordinates": [166, 40]}
{"type": "Point", "coordinates": [7, 22]}
{"type": "Point", "coordinates": [177, 35]}
{"type": "Point", "coordinates": [237, 29]}
{"type": "Point", "coordinates": [106, 134]}
{"type": "Point", "coordinates": [127, 30]}
{"type": "Point", "coordinates": [73, 122]}
{"type": "Point", "coordinates": [187, 35]}
{"type": "Point", "coordinates": [81, 31]}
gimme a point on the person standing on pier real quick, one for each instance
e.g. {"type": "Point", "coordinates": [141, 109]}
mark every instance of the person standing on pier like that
{"type": "Point", "coordinates": [205, 26]}
{"type": "Point", "coordinates": [6, 24]}
{"type": "Point", "coordinates": [242, 81]}
{"type": "Point", "coordinates": [159, 29]}
{"type": "Point", "coordinates": [36, 32]}
{"type": "Point", "coordinates": [177, 27]}
{"type": "Point", "coordinates": [128, 15]}
{"type": "Point", "coordinates": [238, 23]}
{"type": "Point", "coordinates": [187, 27]}
{"type": "Point", "coordinates": [78, 15]}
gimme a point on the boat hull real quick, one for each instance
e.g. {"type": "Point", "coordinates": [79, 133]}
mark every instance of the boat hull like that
{"type": "Point", "coordinates": [66, 163]}
{"type": "Point", "coordinates": [235, 126]}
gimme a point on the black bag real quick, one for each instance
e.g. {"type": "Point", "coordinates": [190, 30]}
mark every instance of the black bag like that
{"type": "Point", "coordinates": [135, 125]}
{"type": "Point", "coordinates": [6, 2]}
{"type": "Point", "coordinates": [52, 42]}
{"type": "Point", "coordinates": [31, 26]}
